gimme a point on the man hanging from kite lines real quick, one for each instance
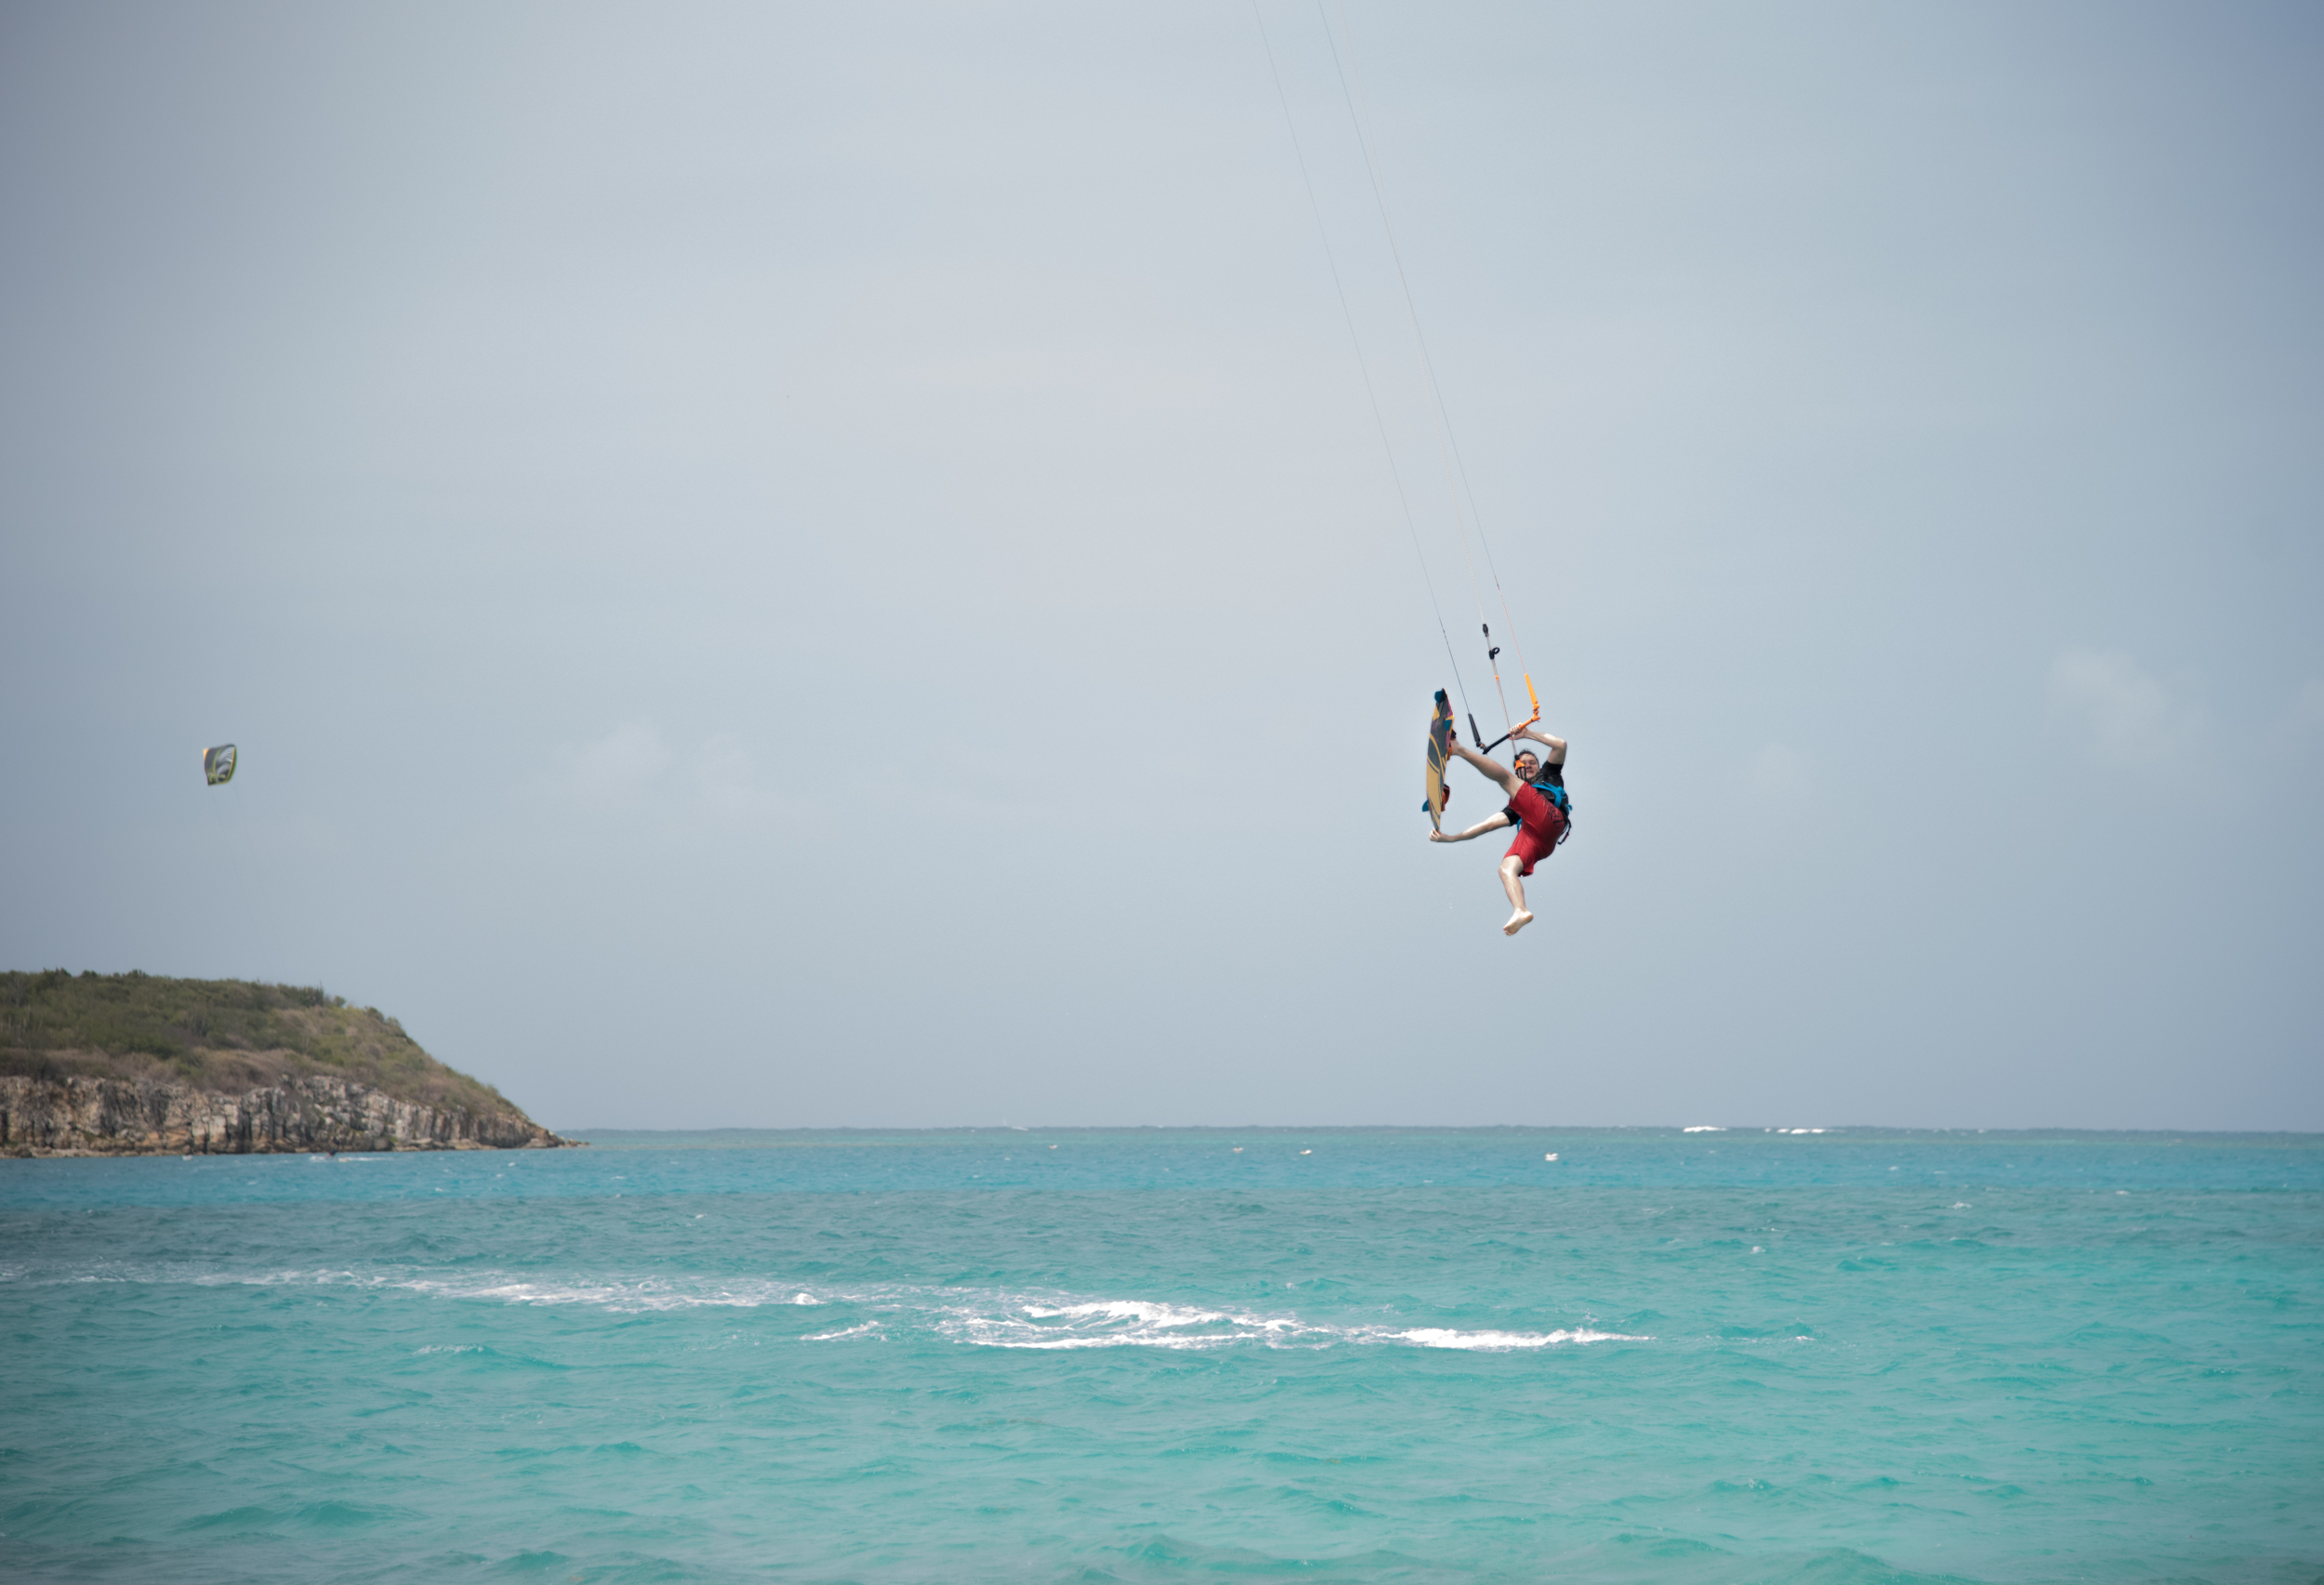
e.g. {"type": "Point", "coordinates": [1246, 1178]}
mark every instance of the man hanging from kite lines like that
{"type": "Point", "coordinates": [1538, 807]}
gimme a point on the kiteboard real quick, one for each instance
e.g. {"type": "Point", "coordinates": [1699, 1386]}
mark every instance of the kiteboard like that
{"type": "Point", "coordinates": [1440, 733]}
{"type": "Point", "coordinates": [217, 764]}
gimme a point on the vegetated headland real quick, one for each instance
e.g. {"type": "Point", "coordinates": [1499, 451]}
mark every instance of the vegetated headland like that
{"type": "Point", "coordinates": [134, 1065]}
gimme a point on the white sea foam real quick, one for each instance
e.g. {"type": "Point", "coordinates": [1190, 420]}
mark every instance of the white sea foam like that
{"type": "Point", "coordinates": [1097, 1322]}
{"type": "Point", "coordinates": [1148, 1324]}
{"type": "Point", "coordinates": [1441, 1336]}
{"type": "Point", "coordinates": [1127, 1310]}
{"type": "Point", "coordinates": [626, 1296]}
{"type": "Point", "coordinates": [866, 1330]}
{"type": "Point", "coordinates": [980, 1317]}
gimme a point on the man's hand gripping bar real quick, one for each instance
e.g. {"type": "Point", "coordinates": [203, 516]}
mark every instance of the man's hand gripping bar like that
{"type": "Point", "coordinates": [1534, 719]}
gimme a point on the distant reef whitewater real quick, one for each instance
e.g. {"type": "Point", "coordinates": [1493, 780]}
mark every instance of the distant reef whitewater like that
{"type": "Point", "coordinates": [133, 1065]}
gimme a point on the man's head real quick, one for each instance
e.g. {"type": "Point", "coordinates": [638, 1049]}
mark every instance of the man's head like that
{"type": "Point", "coordinates": [1528, 764]}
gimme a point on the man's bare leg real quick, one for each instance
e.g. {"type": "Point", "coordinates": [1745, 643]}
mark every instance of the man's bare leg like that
{"type": "Point", "coordinates": [1493, 770]}
{"type": "Point", "coordinates": [1512, 883]}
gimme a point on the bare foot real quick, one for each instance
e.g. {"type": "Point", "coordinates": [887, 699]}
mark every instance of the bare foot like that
{"type": "Point", "coordinates": [1517, 921]}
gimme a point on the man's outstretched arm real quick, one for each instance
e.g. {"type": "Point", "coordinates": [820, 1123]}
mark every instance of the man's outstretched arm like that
{"type": "Point", "coordinates": [1556, 745]}
{"type": "Point", "coordinates": [1479, 829]}
{"type": "Point", "coordinates": [1501, 775]}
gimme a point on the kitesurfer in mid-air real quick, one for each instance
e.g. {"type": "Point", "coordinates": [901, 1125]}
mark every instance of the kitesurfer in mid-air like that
{"type": "Point", "coordinates": [1538, 807]}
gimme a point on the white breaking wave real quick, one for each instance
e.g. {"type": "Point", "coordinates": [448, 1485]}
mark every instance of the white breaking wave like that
{"type": "Point", "coordinates": [1125, 1322]}
{"type": "Point", "coordinates": [1101, 1323]}
{"type": "Point", "coordinates": [979, 1318]}
{"type": "Point", "coordinates": [1437, 1337]}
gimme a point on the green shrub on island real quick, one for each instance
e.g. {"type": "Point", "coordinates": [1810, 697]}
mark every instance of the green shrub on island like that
{"type": "Point", "coordinates": [218, 1035]}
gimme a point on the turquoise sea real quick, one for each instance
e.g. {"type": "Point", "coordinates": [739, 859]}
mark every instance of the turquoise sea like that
{"type": "Point", "coordinates": [1155, 1355]}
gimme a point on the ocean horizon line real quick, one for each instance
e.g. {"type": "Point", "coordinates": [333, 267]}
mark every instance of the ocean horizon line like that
{"type": "Point", "coordinates": [1833, 1131]}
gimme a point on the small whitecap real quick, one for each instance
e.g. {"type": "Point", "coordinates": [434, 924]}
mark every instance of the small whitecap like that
{"type": "Point", "coordinates": [866, 1330]}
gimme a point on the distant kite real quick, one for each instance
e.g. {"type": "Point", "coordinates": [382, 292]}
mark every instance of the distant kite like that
{"type": "Point", "coordinates": [217, 764]}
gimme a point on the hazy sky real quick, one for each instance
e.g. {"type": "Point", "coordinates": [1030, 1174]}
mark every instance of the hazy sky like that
{"type": "Point", "coordinates": [832, 565]}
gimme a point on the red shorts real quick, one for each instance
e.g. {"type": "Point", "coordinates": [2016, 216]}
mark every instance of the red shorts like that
{"type": "Point", "coordinates": [1544, 824]}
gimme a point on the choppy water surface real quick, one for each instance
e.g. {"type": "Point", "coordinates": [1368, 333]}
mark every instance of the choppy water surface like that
{"type": "Point", "coordinates": [1174, 1355]}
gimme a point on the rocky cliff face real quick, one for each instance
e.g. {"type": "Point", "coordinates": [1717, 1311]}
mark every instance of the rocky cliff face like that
{"type": "Point", "coordinates": [76, 1114]}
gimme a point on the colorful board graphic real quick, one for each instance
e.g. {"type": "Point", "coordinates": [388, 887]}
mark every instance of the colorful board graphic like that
{"type": "Point", "coordinates": [1440, 733]}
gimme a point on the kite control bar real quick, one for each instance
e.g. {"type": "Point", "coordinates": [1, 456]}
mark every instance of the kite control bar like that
{"type": "Point", "coordinates": [1484, 747]}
